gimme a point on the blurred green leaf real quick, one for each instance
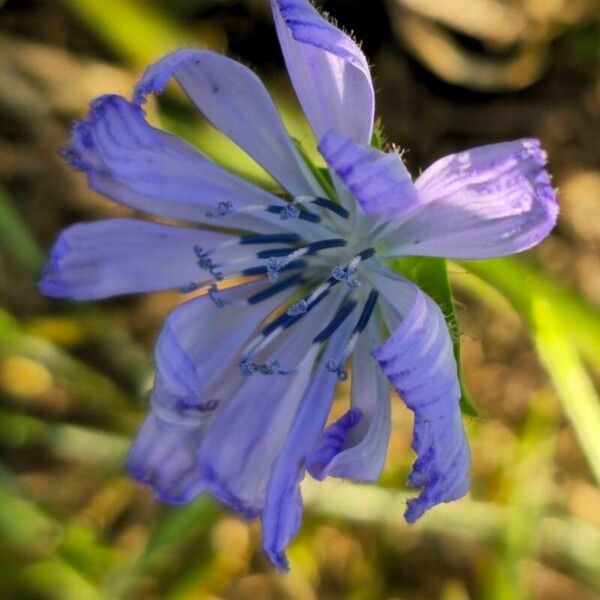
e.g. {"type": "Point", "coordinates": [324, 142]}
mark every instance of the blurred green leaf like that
{"type": "Point", "coordinates": [519, 283]}
{"type": "Point", "coordinates": [562, 325]}
{"type": "Point", "coordinates": [136, 32]}
{"type": "Point", "coordinates": [174, 532]}
{"type": "Point", "coordinates": [54, 579]}
{"type": "Point", "coordinates": [16, 239]}
{"type": "Point", "coordinates": [575, 388]}
{"type": "Point", "coordinates": [431, 275]}
{"type": "Point", "coordinates": [103, 400]}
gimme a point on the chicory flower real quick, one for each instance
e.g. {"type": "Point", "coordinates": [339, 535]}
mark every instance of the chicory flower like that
{"type": "Point", "coordinates": [246, 373]}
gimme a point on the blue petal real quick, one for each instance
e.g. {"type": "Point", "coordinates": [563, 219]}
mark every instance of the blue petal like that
{"type": "Point", "coordinates": [199, 344]}
{"type": "Point", "coordinates": [283, 509]}
{"type": "Point", "coordinates": [163, 456]}
{"type": "Point", "coordinates": [124, 256]}
{"type": "Point", "coordinates": [246, 438]}
{"type": "Point", "coordinates": [235, 101]}
{"type": "Point", "coordinates": [329, 72]}
{"type": "Point", "coordinates": [355, 446]}
{"type": "Point", "coordinates": [380, 182]}
{"type": "Point", "coordinates": [486, 202]}
{"type": "Point", "coordinates": [419, 361]}
{"type": "Point", "coordinates": [131, 162]}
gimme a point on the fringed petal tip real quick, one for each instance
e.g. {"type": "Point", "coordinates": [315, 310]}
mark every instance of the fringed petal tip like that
{"type": "Point", "coordinates": [440, 483]}
{"type": "Point", "coordinates": [332, 442]}
{"type": "Point", "coordinates": [81, 152]}
{"type": "Point", "coordinates": [278, 559]}
{"type": "Point", "coordinates": [418, 360]}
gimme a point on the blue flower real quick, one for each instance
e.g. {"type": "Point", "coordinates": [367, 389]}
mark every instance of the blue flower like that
{"type": "Point", "coordinates": [246, 374]}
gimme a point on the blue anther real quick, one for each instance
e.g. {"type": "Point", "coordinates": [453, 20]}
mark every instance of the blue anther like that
{"type": "Point", "coordinates": [223, 209]}
{"type": "Point", "coordinates": [352, 282]}
{"type": "Point", "coordinates": [274, 266]}
{"type": "Point", "coordinates": [331, 366]}
{"type": "Point", "coordinates": [300, 308]}
{"type": "Point", "coordinates": [213, 292]}
{"type": "Point", "coordinates": [290, 211]}
{"type": "Point", "coordinates": [189, 288]}
{"type": "Point", "coordinates": [247, 366]}
{"type": "Point", "coordinates": [338, 273]}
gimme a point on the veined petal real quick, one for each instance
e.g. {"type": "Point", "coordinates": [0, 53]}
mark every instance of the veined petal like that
{"type": "Point", "coordinates": [487, 202]}
{"type": "Point", "coordinates": [163, 456]}
{"type": "Point", "coordinates": [418, 359]}
{"type": "Point", "coordinates": [235, 101]}
{"type": "Point", "coordinates": [379, 181]}
{"type": "Point", "coordinates": [124, 256]}
{"type": "Point", "coordinates": [200, 341]}
{"type": "Point", "coordinates": [355, 446]}
{"type": "Point", "coordinates": [244, 441]}
{"type": "Point", "coordinates": [283, 509]}
{"type": "Point", "coordinates": [329, 71]}
{"type": "Point", "coordinates": [133, 163]}
{"type": "Point", "coordinates": [198, 344]}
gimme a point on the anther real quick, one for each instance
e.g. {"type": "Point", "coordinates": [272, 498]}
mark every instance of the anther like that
{"type": "Point", "coordinates": [213, 292]}
{"type": "Point", "coordinates": [223, 209]}
{"type": "Point", "coordinates": [299, 308]}
{"type": "Point", "coordinates": [189, 288]}
{"type": "Point", "coordinates": [289, 212]}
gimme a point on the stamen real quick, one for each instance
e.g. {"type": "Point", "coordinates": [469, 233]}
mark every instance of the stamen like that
{"type": "Point", "coordinates": [277, 238]}
{"type": "Point", "coordinates": [325, 203]}
{"type": "Point", "coordinates": [348, 274]}
{"type": "Point", "coordinates": [285, 213]}
{"type": "Point", "coordinates": [223, 209]}
{"type": "Point", "coordinates": [274, 329]}
{"type": "Point", "coordinates": [188, 288]}
{"type": "Point", "coordinates": [338, 366]}
{"type": "Point", "coordinates": [277, 262]}
{"type": "Point", "coordinates": [275, 289]}
{"type": "Point", "coordinates": [339, 318]}
{"type": "Point", "coordinates": [213, 292]}
{"type": "Point", "coordinates": [264, 270]}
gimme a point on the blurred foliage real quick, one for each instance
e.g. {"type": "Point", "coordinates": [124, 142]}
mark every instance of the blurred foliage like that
{"type": "Point", "coordinates": [73, 378]}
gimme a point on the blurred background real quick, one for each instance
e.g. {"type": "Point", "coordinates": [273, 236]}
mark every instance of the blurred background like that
{"type": "Point", "coordinates": [74, 378]}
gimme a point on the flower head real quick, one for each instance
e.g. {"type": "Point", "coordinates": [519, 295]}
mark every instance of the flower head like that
{"type": "Point", "coordinates": [246, 374]}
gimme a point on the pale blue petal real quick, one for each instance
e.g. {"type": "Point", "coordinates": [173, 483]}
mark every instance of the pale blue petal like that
{"type": "Point", "coordinates": [124, 256]}
{"type": "Point", "coordinates": [235, 101]}
{"type": "Point", "coordinates": [197, 375]}
{"type": "Point", "coordinates": [283, 510]}
{"type": "Point", "coordinates": [419, 361]}
{"type": "Point", "coordinates": [131, 162]}
{"type": "Point", "coordinates": [379, 181]}
{"type": "Point", "coordinates": [201, 342]}
{"type": "Point", "coordinates": [486, 202]}
{"type": "Point", "coordinates": [329, 71]}
{"type": "Point", "coordinates": [355, 446]}
{"type": "Point", "coordinates": [239, 450]}
{"type": "Point", "coordinates": [163, 456]}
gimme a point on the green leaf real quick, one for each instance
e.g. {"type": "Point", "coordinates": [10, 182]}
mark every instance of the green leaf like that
{"type": "Point", "coordinates": [431, 275]}
{"type": "Point", "coordinates": [519, 283]}
{"type": "Point", "coordinates": [563, 326]}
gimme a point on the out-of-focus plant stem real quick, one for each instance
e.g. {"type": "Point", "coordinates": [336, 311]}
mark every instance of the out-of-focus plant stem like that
{"type": "Point", "coordinates": [16, 239]}
{"type": "Point", "coordinates": [573, 544]}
